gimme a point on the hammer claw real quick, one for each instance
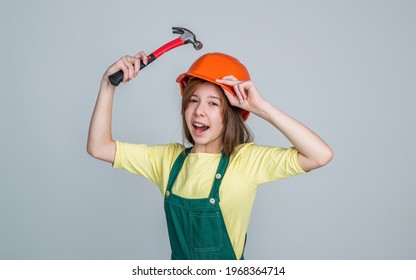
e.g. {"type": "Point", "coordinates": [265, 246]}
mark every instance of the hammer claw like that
{"type": "Point", "coordinates": [177, 30]}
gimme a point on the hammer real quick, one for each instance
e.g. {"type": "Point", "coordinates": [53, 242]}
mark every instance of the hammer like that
{"type": "Point", "coordinates": [186, 37]}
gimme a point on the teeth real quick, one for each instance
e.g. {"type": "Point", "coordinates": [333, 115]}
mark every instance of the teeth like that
{"type": "Point", "coordinates": [198, 125]}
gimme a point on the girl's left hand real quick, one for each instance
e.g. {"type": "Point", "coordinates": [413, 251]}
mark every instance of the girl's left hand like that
{"type": "Point", "coordinates": [247, 96]}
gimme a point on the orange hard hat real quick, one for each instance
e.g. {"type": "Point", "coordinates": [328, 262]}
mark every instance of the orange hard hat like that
{"type": "Point", "coordinates": [213, 66]}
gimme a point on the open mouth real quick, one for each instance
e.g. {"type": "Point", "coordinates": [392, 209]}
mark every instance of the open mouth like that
{"type": "Point", "coordinates": [199, 127]}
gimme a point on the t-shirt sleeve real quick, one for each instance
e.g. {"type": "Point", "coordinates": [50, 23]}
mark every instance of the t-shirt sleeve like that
{"type": "Point", "coordinates": [263, 164]}
{"type": "Point", "coordinates": [149, 161]}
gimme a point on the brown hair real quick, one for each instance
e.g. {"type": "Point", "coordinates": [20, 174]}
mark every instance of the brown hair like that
{"type": "Point", "coordinates": [235, 132]}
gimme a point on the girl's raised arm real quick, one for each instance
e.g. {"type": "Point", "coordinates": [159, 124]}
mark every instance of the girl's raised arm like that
{"type": "Point", "coordinates": [100, 141]}
{"type": "Point", "coordinates": [313, 151]}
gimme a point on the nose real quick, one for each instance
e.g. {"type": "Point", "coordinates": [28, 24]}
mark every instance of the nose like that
{"type": "Point", "coordinates": [199, 110]}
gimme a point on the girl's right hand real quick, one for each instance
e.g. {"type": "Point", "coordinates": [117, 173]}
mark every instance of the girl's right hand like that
{"type": "Point", "coordinates": [130, 65]}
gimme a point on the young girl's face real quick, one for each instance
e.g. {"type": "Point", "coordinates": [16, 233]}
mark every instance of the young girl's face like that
{"type": "Point", "coordinates": [203, 116]}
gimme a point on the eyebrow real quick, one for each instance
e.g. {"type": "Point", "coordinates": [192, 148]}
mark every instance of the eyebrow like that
{"type": "Point", "coordinates": [214, 96]}
{"type": "Point", "coordinates": [209, 96]}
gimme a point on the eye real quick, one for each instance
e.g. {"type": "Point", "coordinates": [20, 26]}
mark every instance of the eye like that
{"type": "Point", "coordinates": [193, 100]}
{"type": "Point", "coordinates": [214, 104]}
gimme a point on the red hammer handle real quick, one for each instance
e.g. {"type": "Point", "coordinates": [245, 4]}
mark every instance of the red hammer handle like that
{"type": "Point", "coordinates": [168, 46]}
{"type": "Point", "coordinates": [117, 78]}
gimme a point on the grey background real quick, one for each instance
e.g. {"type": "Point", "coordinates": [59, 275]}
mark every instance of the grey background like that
{"type": "Point", "coordinates": [346, 69]}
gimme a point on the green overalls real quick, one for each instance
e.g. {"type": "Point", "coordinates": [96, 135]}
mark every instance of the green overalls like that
{"type": "Point", "coordinates": [196, 226]}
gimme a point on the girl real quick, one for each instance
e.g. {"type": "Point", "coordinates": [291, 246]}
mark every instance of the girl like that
{"type": "Point", "coordinates": [209, 187]}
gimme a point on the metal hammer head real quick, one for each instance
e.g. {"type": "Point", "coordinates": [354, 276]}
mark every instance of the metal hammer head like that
{"type": "Point", "coordinates": [187, 37]}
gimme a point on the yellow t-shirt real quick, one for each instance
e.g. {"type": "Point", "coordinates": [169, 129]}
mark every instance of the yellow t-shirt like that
{"type": "Point", "coordinates": [250, 166]}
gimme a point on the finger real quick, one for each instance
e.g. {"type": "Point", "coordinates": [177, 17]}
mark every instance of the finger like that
{"type": "Point", "coordinates": [124, 68]}
{"type": "Point", "coordinates": [140, 56]}
{"type": "Point", "coordinates": [238, 93]}
{"type": "Point", "coordinates": [136, 63]}
{"type": "Point", "coordinates": [121, 65]}
{"type": "Point", "coordinates": [228, 82]}
{"type": "Point", "coordinates": [242, 88]}
{"type": "Point", "coordinates": [144, 58]}
{"type": "Point", "coordinates": [231, 97]}
{"type": "Point", "coordinates": [132, 66]}
{"type": "Point", "coordinates": [127, 67]}
{"type": "Point", "coordinates": [230, 77]}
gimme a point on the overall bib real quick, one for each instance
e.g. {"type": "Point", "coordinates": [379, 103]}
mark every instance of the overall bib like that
{"type": "Point", "coordinates": [196, 226]}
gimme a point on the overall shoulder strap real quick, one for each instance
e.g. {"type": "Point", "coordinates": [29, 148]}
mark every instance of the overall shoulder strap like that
{"type": "Point", "coordinates": [219, 175]}
{"type": "Point", "coordinates": [177, 167]}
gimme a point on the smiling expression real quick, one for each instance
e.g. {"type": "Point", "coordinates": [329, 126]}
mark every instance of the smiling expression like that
{"type": "Point", "coordinates": [203, 116]}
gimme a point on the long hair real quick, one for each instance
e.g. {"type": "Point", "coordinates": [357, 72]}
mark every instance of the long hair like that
{"type": "Point", "coordinates": [235, 132]}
